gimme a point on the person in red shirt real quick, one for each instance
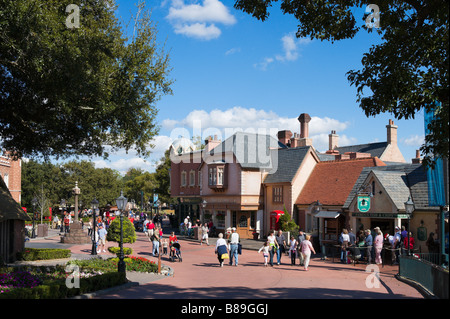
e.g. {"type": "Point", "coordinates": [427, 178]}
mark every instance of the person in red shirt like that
{"type": "Point", "coordinates": [411, 242]}
{"type": "Point", "coordinates": [172, 238]}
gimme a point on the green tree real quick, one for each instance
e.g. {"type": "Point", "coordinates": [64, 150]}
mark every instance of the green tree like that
{"type": "Point", "coordinates": [144, 182]}
{"type": "Point", "coordinates": [405, 73]}
{"type": "Point", "coordinates": [162, 176]}
{"type": "Point", "coordinates": [77, 91]}
{"type": "Point", "coordinates": [287, 224]}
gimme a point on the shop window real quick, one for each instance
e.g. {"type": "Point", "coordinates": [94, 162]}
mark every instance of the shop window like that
{"type": "Point", "coordinates": [243, 221]}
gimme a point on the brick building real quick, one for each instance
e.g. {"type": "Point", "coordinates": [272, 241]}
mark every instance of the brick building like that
{"type": "Point", "coordinates": [11, 173]}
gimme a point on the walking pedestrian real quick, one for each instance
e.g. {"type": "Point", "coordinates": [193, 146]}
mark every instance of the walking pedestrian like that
{"type": "Point", "coordinates": [293, 250]}
{"type": "Point", "coordinates": [300, 239]}
{"type": "Point", "coordinates": [265, 249]}
{"type": "Point", "coordinates": [221, 249]}
{"type": "Point", "coordinates": [273, 246]}
{"type": "Point", "coordinates": [306, 249]}
{"type": "Point", "coordinates": [281, 241]}
{"type": "Point", "coordinates": [102, 239]}
{"type": "Point", "coordinates": [205, 231]}
{"type": "Point", "coordinates": [150, 229]}
{"type": "Point", "coordinates": [234, 243]}
{"type": "Point", "coordinates": [155, 242]}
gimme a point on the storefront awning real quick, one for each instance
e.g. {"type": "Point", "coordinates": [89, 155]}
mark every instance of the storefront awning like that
{"type": "Point", "coordinates": [327, 214]}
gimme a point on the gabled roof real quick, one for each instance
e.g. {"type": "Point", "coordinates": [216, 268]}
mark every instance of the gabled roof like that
{"type": "Point", "coordinates": [288, 163]}
{"type": "Point", "coordinates": [375, 149]}
{"type": "Point", "coordinates": [9, 208]}
{"type": "Point", "coordinates": [332, 181]}
{"type": "Point", "coordinates": [395, 179]}
{"type": "Point", "coordinates": [395, 184]}
{"type": "Point", "coordinates": [251, 150]}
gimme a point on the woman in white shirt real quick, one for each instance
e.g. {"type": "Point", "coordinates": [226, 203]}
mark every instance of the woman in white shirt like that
{"type": "Point", "coordinates": [221, 248]}
{"type": "Point", "coordinates": [345, 239]}
{"type": "Point", "coordinates": [273, 246]}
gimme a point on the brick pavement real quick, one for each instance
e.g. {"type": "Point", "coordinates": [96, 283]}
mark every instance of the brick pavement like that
{"type": "Point", "coordinates": [199, 276]}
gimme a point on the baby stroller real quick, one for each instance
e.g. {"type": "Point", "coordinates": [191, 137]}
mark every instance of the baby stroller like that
{"type": "Point", "coordinates": [175, 252]}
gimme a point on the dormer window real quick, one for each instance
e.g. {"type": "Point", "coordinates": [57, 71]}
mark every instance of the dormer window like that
{"type": "Point", "coordinates": [217, 177]}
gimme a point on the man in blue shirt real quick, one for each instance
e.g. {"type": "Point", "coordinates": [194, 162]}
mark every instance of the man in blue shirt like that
{"type": "Point", "coordinates": [369, 244]}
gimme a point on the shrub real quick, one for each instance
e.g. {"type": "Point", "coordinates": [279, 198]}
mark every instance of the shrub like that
{"type": "Point", "coordinates": [129, 234]}
{"type": "Point", "coordinates": [30, 254]}
{"type": "Point", "coordinates": [116, 250]}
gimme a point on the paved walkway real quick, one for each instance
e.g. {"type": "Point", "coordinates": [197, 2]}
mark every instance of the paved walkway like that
{"type": "Point", "coordinates": [199, 276]}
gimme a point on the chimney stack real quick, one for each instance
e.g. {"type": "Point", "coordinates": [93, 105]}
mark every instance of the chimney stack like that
{"type": "Point", "coordinates": [211, 143]}
{"type": "Point", "coordinates": [333, 140]}
{"type": "Point", "coordinates": [304, 140]}
{"type": "Point", "coordinates": [417, 160]}
{"type": "Point", "coordinates": [391, 132]}
{"type": "Point", "coordinates": [284, 137]}
{"type": "Point", "coordinates": [304, 119]}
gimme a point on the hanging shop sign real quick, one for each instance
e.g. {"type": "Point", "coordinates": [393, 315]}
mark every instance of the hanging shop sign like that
{"type": "Point", "coordinates": [363, 203]}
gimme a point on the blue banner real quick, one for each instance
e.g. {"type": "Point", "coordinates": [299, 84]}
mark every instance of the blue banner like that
{"type": "Point", "coordinates": [435, 175]}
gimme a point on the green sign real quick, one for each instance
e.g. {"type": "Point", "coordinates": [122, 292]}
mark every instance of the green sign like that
{"type": "Point", "coordinates": [363, 203]}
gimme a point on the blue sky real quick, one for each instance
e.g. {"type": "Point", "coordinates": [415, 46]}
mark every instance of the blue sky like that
{"type": "Point", "coordinates": [232, 71]}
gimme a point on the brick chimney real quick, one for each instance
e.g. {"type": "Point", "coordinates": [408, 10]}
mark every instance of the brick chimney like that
{"type": "Point", "coordinates": [333, 140]}
{"type": "Point", "coordinates": [417, 160]}
{"type": "Point", "coordinates": [391, 132]}
{"type": "Point", "coordinates": [304, 120]}
{"type": "Point", "coordinates": [284, 137]}
{"type": "Point", "coordinates": [211, 142]}
{"type": "Point", "coordinates": [295, 140]}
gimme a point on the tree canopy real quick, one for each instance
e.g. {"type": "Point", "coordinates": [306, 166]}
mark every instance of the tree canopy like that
{"type": "Point", "coordinates": [82, 90]}
{"type": "Point", "coordinates": [404, 74]}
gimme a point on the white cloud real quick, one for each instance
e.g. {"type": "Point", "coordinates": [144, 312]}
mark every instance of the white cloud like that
{"type": "Point", "coordinates": [415, 140]}
{"type": "Point", "coordinates": [199, 20]}
{"type": "Point", "coordinates": [220, 122]}
{"type": "Point", "coordinates": [233, 51]}
{"type": "Point", "coordinates": [290, 45]}
{"type": "Point", "coordinates": [198, 30]}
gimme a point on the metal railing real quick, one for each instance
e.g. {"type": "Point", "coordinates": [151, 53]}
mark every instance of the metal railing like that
{"type": "Point", "coordinates": [433, 278]}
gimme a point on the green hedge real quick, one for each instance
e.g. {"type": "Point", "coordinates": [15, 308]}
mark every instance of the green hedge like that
{"type": "Point", "coordinates": [59, 289]}
{"type": "Point", "coordinates": [30, 254]}
{"type": "Point", "coordinates": [116, 250]}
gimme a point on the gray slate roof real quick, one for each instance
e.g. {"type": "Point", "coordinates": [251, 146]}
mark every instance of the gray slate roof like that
{"type": "Point", "coordinates": [289, 161]}
{"type": "Point", "coordinates": [399, 181]}
{"type": "Point", "coordinates": [375, 149]}
{"type": "Point", "coordinates": [250, 149]}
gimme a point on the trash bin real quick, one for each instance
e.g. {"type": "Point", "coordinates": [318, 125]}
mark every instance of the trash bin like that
{"type": "Point", "coordinates": [42, 230]}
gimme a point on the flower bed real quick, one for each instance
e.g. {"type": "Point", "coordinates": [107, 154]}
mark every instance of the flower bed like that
{"type": "Point", "coordinates": [42, 282]}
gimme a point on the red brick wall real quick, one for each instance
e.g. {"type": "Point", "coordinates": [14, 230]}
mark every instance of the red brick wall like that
{"type": "Point", "coordinates": [13, 169]}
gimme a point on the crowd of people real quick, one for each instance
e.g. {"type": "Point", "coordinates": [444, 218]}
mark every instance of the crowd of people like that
{"type": "Point", "coordinates": [369, 244]}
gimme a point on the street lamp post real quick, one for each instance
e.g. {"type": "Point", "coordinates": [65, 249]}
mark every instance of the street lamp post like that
{"type": "Point", "coordinates": [121, 202]}
{"type": "Point", "coordinates": [409, 208]}
{"type": "Point", "coordinates": [34, 203]}
{"type": "Point", "coordinates": [94, 205]}
{"type": "Point", "coordinates": [63, 206]}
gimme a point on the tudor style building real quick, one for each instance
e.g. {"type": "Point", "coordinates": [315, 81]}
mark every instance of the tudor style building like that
{"type": "Point", "coordinates": [241, 182]}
